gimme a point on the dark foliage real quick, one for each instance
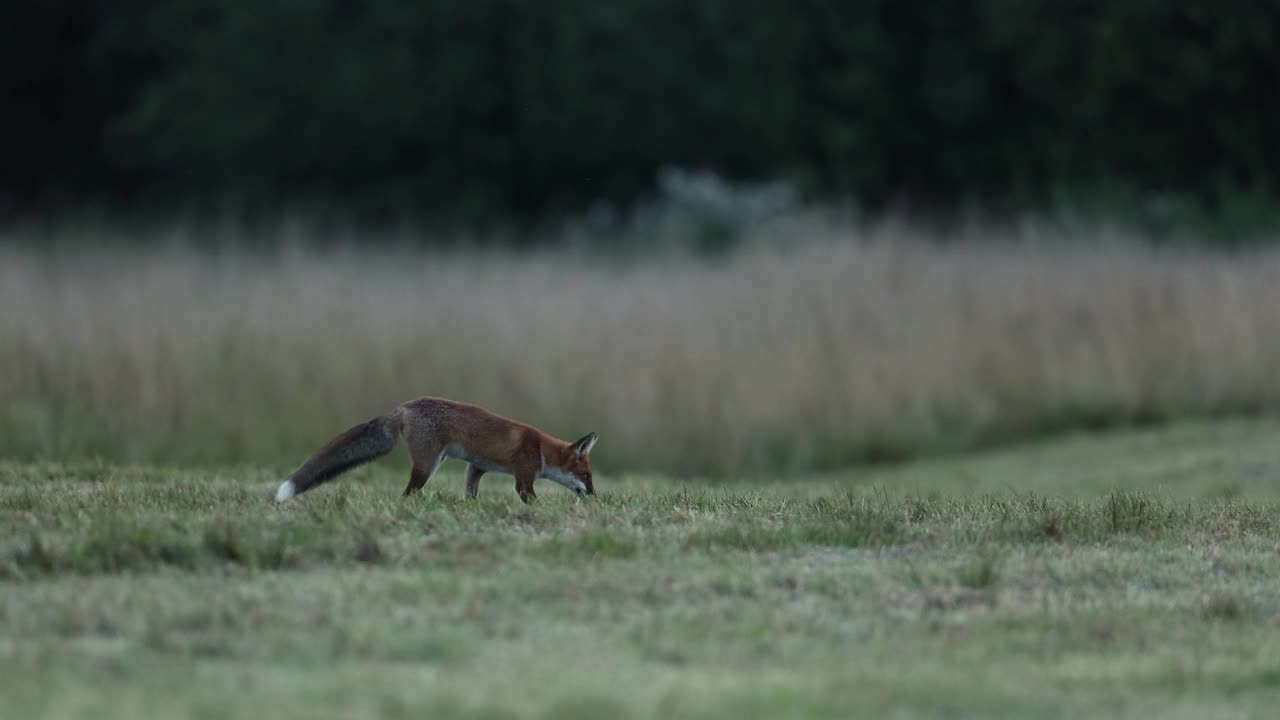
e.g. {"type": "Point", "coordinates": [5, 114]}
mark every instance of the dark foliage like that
{"type": "Point", "coordinates": [483, 108]}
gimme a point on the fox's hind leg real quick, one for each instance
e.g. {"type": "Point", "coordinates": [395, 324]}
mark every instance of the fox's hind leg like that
{"type": "Point", "coordinates": [473, 480]}
{"type": "Point", "coordinates": [419, 476]}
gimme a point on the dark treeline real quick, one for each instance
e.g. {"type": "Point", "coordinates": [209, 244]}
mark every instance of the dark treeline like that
{"type": "Point", "coordinates": [474, 108]}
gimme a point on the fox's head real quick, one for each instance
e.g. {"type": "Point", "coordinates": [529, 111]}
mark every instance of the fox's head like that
{"type": "Point", "coordinates": [573, 467]}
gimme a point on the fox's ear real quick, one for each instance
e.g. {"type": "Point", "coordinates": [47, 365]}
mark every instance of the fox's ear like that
{"type": "Point", "coordinates": [583, 445]}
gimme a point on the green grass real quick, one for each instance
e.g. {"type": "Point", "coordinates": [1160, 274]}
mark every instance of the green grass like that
{"type": "Point", "coordinates": [1128, 574]}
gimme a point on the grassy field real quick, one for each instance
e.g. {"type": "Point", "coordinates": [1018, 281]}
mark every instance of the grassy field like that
{"type": "Point", "coordinates": [1129, 574]}
{"type": "Point", "coordinates": [816, 346]}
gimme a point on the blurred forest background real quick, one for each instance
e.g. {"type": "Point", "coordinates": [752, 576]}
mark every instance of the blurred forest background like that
{"type": "Point", "coordinates": [475, 110]}
{"type": "Point", "coordinates": [728, 236]}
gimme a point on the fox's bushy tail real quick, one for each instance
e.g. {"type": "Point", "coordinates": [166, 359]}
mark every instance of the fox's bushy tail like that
{"type": "Point", "coordinates": [357, 446]}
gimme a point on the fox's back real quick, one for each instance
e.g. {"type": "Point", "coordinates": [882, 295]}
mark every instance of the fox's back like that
{"type": "Point", "coordinates": [466, 430]}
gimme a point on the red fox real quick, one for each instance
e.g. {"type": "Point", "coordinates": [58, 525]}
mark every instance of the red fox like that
{"type": "Point", "coordinates": [435, 429]}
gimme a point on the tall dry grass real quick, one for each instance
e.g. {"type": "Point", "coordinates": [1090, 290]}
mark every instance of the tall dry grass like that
{"type": "Point", "coordinates": [815, 351]}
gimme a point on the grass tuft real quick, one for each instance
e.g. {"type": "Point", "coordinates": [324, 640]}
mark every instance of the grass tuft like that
{"type": "Point", "coordinates": [1227, 606]}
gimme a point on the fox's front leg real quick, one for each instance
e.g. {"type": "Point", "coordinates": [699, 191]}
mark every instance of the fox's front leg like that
{"type": "Point", "coordinates": [524, 485]}
{"type": "Point", "coordinates": [473, 480]}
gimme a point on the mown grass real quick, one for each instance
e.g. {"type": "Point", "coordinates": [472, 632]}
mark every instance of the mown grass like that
{"type": "Point", "coordinates": [816, 346]}
{"type": "Point", "coordinates": [1124, 575]}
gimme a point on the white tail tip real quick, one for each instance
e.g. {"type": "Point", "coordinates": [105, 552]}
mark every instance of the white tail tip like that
{"type": "Point", "coordinates": [286, 491]}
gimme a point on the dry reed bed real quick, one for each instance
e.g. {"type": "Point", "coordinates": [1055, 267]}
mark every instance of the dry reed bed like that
{"type": "Point", "coordinates": [808, 354]}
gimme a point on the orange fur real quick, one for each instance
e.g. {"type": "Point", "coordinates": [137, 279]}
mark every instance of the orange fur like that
{"type": "Point", "coordinates": [436, 429]}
